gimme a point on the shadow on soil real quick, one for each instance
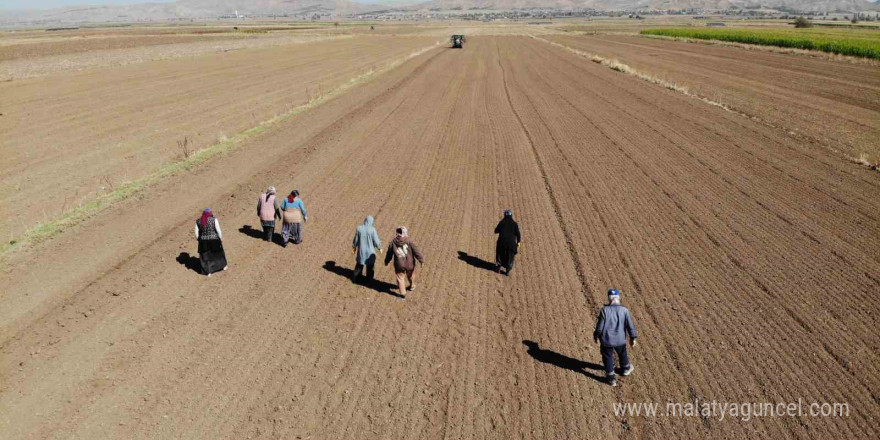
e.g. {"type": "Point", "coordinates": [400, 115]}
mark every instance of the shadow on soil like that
{"type": "Point", "coordinates": [190, 262]}
{"type": "Point", "coordinates": [562, 361]}
{"type": "Point", "coordinates": [477, 262]}
{"type": "Point", "coordinates": [258, 233]}
{"type": "Point", "coordinates": [378, 286]}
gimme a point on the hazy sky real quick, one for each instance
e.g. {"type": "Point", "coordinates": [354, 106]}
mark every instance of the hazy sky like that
{"type": "Point", "coordinates": [48, 4]}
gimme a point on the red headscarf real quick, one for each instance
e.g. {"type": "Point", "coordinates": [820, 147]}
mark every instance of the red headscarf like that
{"type": "Point", "coordinates": [293, 195]}
{"type": "Point", "coordinates": [206, 214]}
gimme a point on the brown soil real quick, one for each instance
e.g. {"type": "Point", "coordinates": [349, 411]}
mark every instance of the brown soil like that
{"type": "Point", "coordinates": [34, 49]}
{"type": "Point", "coordinates": [834, 103]}
{"type": "Point", "coordinates": [747, 258]}
{"type": "Point", "coordinates": [77, 135]}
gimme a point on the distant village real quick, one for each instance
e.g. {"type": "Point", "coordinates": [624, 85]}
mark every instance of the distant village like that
{"type": "Point", "coordinates": [411, 14]}
{"type": "Point", "coordinates": [526, 14]}
{"type": "Point", "coordinates": [489, 15]}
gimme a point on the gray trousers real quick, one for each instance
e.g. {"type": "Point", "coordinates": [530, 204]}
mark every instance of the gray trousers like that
{"type": "Point", "coordinates": [292, 231]}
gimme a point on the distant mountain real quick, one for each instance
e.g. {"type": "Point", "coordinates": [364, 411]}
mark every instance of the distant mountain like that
{"type": "Point", "coordinates": [184, 9]}
{"type": "Point", "coordinates": [799, 5]}
{"type": "Point", "coordinates": [263, 7]}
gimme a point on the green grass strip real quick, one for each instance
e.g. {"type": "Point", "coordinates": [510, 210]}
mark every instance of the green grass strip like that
{"type": "Point", "coordinates": [852, 42]}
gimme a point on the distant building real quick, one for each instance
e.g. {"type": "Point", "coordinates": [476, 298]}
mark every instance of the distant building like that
{"type": "Point", "coordinates": [716, 24]}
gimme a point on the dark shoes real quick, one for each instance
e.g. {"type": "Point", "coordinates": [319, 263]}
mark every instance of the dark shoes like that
{"type": "Point", "coordinates": [612, 378]}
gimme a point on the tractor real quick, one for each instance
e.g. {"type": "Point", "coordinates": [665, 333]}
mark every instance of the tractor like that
{"type": "Point", "coordinates": [457, 41]}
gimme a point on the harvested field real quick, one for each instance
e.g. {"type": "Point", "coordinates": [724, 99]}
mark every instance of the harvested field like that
{"type": "Point", "coordinates": [747, 257]}
{"type": "Point", "coordinates": [88, 132]}
{"type": "Point", "coordinates": [26, 54]}
{"type": "Point", "coordinates": [836, 104]}
{"type": "Point", "coordinates": [43, 65]}
{"type": "Point", "coordinates": [21, 48]}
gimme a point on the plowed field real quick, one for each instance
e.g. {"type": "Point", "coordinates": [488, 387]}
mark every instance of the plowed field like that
{"type": "Point", "coordinates": [833, 103]}
{"type": "Point", "coordinates": [79, 135]}
{"type": "Point", "coordinates": [748, 259]}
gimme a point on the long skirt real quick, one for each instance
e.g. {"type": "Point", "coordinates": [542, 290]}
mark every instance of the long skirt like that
{"type": "Point", "coordinates": [505, 254]}
{"type": "Point", "coordinates": [293, 232]}
{"type": "Point", "coordinates": [211, 255]}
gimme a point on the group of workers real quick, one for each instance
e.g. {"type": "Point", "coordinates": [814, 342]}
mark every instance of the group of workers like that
{"type": "Point", "coordinates": [613, 324]}
{"type": "Point", "coordinates": [290, 210]}
{"type": "Point", "coordinates": [401, 250]}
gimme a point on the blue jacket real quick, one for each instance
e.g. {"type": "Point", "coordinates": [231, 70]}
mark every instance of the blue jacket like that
{"type": "Point", "coordinates": [297, 203]}
{"type": "Point", "coordinates": [613, 324]}
{"type": "Point", "coordinates": [366, 240]}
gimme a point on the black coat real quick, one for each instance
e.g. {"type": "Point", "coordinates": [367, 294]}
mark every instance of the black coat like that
{"type": "Point", "coordinates": [508, 241]}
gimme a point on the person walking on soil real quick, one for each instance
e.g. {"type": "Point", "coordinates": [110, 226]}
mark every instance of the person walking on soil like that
{"type": "Point", "coordinates": [404, 253]}
{"type": "Point", "coordinates": [509, 241]}
{"type": "Point", "coordinates": [267, 212]}
{"type": "Point", "coordinates": [612, 327]}
{"type": "Point", "coordinates": [365, 245]}
{"type": "Point", "coordinates": [210, 238]}
{"type": "Point", "coordinates": [293, 215]}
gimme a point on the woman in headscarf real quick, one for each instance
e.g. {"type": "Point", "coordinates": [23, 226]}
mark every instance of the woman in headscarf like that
{"type": "Point", "coordinates": [507, 246]}
{"type": "Point", "coordinates": [267, 213]}
{"type": "Point", "coordinates": [210, 238]}
{"type": "Point", "coordinates": [404, 253]}
{"type": "Point", "coordinates": [365, 244]}
{"type": "Point", "coordinates": [294, 214]}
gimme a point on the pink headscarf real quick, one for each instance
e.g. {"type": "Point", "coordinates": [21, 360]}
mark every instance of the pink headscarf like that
{"type": "Point", "coordinates": [206, 214]}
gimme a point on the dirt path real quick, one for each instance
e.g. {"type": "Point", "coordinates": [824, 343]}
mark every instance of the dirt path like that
{"type": "Point", "coordinates": [748, 261]}
{"type": "Point", "coordinates": [834, 103]}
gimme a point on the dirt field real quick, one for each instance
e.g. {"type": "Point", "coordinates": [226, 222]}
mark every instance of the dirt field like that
{"type": "Point", "coordinates": [747, 257]}
{"type": "Point", "coordinates": [89, 132]}
{"type": "Point", "coordinates": [834, 103]}
{"type": "Point", "coordinates": [35, 63]}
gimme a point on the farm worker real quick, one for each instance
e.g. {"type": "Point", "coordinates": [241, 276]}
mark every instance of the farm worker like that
{"type": "Point", "coordinates": [365, 245]}
{"type": "Point", "coordinates": [210, 238]}
{"type": "Point", "coordinates": [294, 214]}
{"type": "Point", "coordinates": [267, 212]}
{"type": "Point", "coordinates": [404, 253]}
{"type": "Point", "coordinates": [612, 326]}
{"type": "Point", "coordinates": [508, 243]}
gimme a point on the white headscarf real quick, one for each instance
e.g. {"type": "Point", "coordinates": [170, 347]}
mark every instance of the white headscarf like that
{"type": "Point", "coordinates": [404, 233]}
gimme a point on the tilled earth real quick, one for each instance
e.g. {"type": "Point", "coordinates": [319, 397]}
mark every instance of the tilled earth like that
{"type": "Point", "coordinates": [77, 135]}
{"type": "Point", "coordinates": [834, 104]}
{"type": "Point", "coordinates": [748, 259]}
